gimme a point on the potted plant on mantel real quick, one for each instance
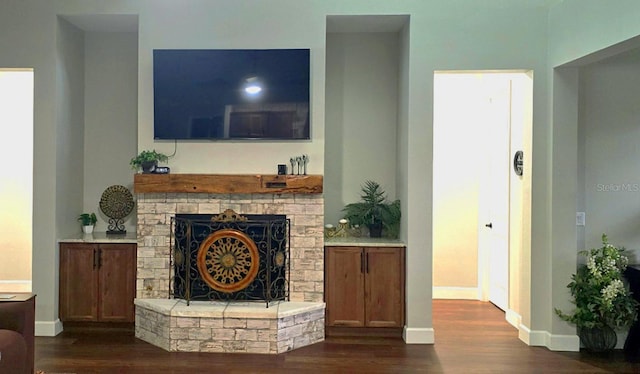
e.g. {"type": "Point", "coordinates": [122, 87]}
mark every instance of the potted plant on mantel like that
{"type": "Point", "coordinates": [374, 211]}
{"type": "Point", "coordinates": [148, 161]}
{"type": "Point", "coordinates": [88, 220]}
{"type": "Point", "coordinates": [603, 302]}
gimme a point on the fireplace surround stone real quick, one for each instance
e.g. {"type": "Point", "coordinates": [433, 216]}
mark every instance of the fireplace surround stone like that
{"type": "Point", "coordinates": [306, 213]}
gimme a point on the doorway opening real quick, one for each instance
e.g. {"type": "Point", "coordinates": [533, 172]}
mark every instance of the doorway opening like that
{"type": "Point", "coordinates": [16, 189]}
{"type": "Point", "coordinates": [480, 212]}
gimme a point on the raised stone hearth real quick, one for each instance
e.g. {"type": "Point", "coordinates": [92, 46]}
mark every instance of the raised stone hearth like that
{"type": "Point", "coordinates": [215, 326]}
{"type": "Point", "coordinates": [162, 320]}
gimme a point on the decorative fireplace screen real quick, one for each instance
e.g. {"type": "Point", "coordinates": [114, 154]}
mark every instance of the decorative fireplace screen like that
{"type": "Point", "coordinates": [230, 257]}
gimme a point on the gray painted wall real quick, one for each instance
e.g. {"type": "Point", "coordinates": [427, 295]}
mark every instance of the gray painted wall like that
{"type": "Point", "coordinates": [580, 33]}
{"type": "Point", "coordinates": [361, 117]}
{"type": "Point", "coordinates": [111, 114]}
{"type": "Point", "coordinates": [609, 114]}
{"type": "Point", "coordinates": [69, 158]}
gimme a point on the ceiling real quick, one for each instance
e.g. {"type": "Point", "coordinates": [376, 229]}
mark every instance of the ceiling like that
{"type": "Point", "coordinates": [129, 22]}
{"type": "Point", "coordinates": [335, 23]}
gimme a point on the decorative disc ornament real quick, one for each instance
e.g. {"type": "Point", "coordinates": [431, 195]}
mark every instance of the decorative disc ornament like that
{"type": "Point", "coordinates": [518, 163]}
{"type": "Point", "coordinates": [116, 203]}
{"type": "Point", "coordinates": [228, 260]}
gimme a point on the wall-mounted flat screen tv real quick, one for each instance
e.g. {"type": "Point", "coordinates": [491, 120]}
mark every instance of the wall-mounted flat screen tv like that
{"type": "Point", "coordinates": [222, 94]}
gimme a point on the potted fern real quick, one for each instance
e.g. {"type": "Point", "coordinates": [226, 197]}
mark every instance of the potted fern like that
{"type": "Point", "coordinates": [148, 161]}
{"type": "Point", "coordinates": [374, 211]}
{"type": "Point", "coordinates": [603, 302]}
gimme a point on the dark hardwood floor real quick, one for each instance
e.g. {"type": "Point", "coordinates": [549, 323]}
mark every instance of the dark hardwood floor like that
{"type": "Point", "coordinates": [471, 337]}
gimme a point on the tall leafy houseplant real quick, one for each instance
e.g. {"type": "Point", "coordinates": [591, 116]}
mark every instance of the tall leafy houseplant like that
{"type": "Point", "coordinates": [603, 302]}
{"type": "Point", "coordinates": [147, 160]}
{"type": "Point", "coordinates": [374, 211]}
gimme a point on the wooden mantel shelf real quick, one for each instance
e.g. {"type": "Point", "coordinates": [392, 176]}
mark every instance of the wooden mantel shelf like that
{"type": "Point", "coordinates": [227, 183]}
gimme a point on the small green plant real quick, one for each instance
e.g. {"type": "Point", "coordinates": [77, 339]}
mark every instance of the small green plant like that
{"type": "Point", "coordinates": [88, 219]}
{"type": "Point", "coordinates": [374, 209]}
{"type": "Point", "coordinates": [598, 291]}
{"type": "Point", "coordinates": [145, 157]}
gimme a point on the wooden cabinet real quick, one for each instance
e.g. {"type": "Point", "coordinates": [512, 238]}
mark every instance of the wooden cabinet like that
{"type": "Point", "coordinates": [97, 282]}
{"type": "Point", "coordinates": [344, 286]}
{"type": "Point", "coordinates": [364, 286]}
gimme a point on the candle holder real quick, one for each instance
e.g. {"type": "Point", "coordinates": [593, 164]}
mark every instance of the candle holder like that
{"type": "Point", "coordinates": [305, 161]}
{"type": "Point", "coordinates": [293, 162]}
{"type": "Point", "coordinates": [342, 231]}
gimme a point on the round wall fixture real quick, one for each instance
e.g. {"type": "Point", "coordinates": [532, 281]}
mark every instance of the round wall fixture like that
{"type": "Point", "coordinates": [228, 260]}
{"type": "Point", "coordinates": [518, 163]}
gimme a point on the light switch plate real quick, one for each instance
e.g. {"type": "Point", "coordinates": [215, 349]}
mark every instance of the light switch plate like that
{"type": "Point", "coordinates": [580, 219]}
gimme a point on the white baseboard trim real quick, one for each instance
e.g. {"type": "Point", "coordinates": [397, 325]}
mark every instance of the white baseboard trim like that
{"type": "Point", "coordinates": [513, 318]}
{"type": "Point", "coordinates": [566, 343]}
{"type": "Point", "coordinates": [455, 293]}
{"type": "Point", "coordinates": [48, 328]}
{"type": "Point", "coordinates": [418, 335]}
{"type": "Point", "coordinates": [532, 338]}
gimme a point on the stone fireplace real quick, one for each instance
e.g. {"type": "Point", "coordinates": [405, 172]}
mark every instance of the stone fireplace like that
{"type": "Point", "coordinates": [220, 325]}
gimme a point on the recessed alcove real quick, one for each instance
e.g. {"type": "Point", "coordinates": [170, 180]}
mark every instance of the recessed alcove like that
{"type": "Point", "coordinates": [362, 106]}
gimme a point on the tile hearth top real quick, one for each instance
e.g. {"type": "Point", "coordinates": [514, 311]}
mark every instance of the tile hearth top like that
{"type": "Point", "coordinates": [228, 309]}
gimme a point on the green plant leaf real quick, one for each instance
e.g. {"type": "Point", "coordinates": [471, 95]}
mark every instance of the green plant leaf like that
{"type": "Point", "coordinates": [88, 219]}
{"type": "Point", "coordinates": [598, 291]}
{"type": "Point", "coordinates": [147, 156]}
{"type": "Point", "coordinates": [372, 208]}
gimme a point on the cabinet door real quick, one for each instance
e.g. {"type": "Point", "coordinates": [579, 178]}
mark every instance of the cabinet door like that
{"type": "Point", "coordinates": [117, 277]}
{"type": "Point", "coordinates": [344, 282]}
{"type": "Point", "coordinates": [78, 282]}
{"type": "Point", "coordinates": [384, 287]}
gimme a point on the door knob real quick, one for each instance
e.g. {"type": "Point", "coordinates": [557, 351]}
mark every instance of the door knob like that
{"type": "Point", "coordinates": [489, 225]}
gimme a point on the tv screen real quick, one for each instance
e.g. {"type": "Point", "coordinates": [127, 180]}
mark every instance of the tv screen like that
{"type": "Point", "coordinates": [231, 94]}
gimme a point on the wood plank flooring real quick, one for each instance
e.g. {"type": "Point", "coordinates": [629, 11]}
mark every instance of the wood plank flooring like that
{"type": "Point", "coordinates": [471, 337]}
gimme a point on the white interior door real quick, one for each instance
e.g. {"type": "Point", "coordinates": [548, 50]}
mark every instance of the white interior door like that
{"type": "Point", "coordinates": [493, 211]}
